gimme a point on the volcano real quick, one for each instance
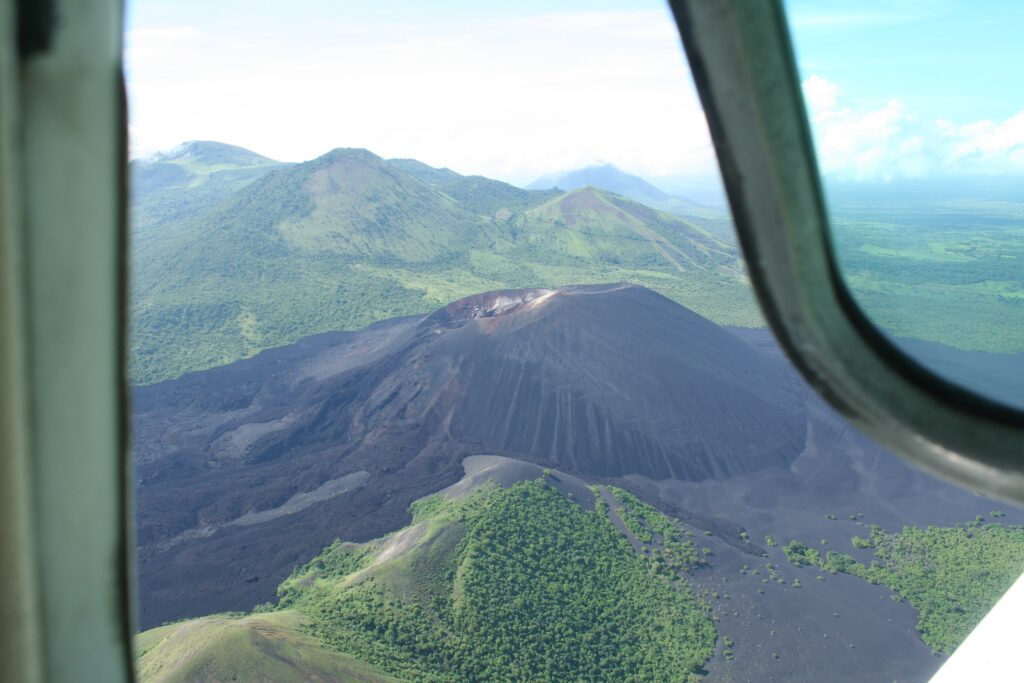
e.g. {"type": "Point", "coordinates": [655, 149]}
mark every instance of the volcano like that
{"type": "Point", "coordinates": [245, 470]}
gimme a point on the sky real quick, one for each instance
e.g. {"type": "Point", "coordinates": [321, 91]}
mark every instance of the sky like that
{"type": "Point", "coordinates": [516, 90]}
{"type": "Point", "coordinates": [914, 88]}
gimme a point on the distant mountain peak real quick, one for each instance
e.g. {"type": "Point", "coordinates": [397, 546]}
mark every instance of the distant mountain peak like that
{"type": "Point", "coordinates": [344, 153]}
{"type": "Point", "coordinates": [587, 191]}
{"type": "Point", "coordinates": [603, 176]}
{"type": "Point", "coordinates": [211, 153]}
{"type": "Point", "coordinates": [347, 160]}
{"type": "Point", "coordinates": [609, 178]}
{"type": "Point", "coordinates": [587, 204]}
{"type": "Point", "coordinates": [603, 168]}
{"type": "Point", "coordinates": [585, 194]}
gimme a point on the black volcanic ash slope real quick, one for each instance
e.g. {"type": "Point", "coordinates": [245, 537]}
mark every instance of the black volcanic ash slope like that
{"type": "Point", "coordinates": [610, 381]}
{"type": "Point", "coordinates": [246, 469]}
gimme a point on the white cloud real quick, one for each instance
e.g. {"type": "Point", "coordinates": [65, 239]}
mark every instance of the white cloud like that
{"type": "Point", "coordinates": [820, 93]}
{"type": "Point", "coordinates": [857, 144]}
{"type": "Point", "coordinates": [986, 141]}
{"type": "Point", "coordinates": [890, 142]}
{"type": "Point", "coordinates": [509, 98]}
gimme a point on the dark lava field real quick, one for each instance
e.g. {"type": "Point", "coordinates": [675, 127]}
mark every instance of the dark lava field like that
{"type": "Point", "coordinates": [246, 470]}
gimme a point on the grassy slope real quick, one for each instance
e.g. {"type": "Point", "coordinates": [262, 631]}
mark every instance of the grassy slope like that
{"type": "Point", "coordinates": [952, 576]}
{"type": "Point", "coordinates": [501, 584]}
{"type": "Point", "coordinates": [348, 239]}
{"type": "Point", "coordinates": [517, 584]}
{"type": "Point", "coordinates": [262, 648]}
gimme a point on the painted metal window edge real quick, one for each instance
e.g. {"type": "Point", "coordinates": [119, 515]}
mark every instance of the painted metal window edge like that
{"type": "Point", "coordinates": [62, 302]}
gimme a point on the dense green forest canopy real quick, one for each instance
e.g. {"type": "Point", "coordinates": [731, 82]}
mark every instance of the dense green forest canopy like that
{"type": "Point", "coordinates": [516, 584]}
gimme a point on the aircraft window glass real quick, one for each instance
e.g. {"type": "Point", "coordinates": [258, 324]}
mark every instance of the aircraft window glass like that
{"type": "Point", "coordinates": [432, 307]}
{"type": "Point", "coordinates": [919, 128]}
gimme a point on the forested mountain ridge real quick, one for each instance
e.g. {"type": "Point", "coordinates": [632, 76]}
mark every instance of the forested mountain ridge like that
{"type": "Point", "coordinates": [256, 254]}
{"type": "Point", "coordinates": [490, 198]}
{"type": "Point", "coordinates": [188, 179]}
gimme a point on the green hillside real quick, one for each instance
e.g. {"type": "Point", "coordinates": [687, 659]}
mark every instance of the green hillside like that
{"type": "Point", "coordinates": [490, 198]}
{"type": "Point", "coordinates": [516, 584]}
{"type": "Point", "coordinates": [348, 239]}
{"type": "Point", "coordinates": [951, 575]}
{"type": "Point", "coordinates": [190, 178]}
{"type": "Point", "coordinates": [260, 648]}
{"type": "Point", "coordinates": [522, 583]}
{"type": "Point", "coordinates": [608, 177]}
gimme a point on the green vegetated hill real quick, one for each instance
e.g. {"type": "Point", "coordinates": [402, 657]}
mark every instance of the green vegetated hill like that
{"type": "Point", "coordinates": [522, 583]}
{"type": "Point", "coordinates": [951, 575]}
{"type": "Point", "coordinates": [476, 193]}
{"type": "Point", "coordinates": [190, 178]}
{"type": "Point", "coordinates": [256, 648]}
{"type": "Point", "coordinates": [348, 239]}
{"type": "Point", "coordinates": [608, 177]}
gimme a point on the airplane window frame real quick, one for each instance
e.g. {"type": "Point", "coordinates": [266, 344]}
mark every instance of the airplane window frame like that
{"type": "Point", "coordinates": [742, 60]}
